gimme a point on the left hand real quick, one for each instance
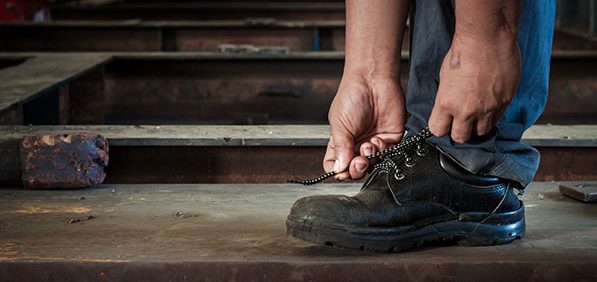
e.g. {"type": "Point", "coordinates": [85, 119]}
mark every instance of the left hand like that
{"type": "Point", "coordinates": [477, 83]}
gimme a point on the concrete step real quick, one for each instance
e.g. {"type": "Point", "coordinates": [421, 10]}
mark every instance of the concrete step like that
{"type": "Point", "coordinates": [260, 154]}
{"type": "Point", "coordinates": [237, 233]}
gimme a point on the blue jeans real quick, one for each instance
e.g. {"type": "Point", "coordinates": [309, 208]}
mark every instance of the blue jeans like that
{"type": "Point", "coordinates": [501, 152]}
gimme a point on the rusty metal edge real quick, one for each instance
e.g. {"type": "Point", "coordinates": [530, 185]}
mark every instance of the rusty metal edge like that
{"type": "Point", "coordinates": [245, 6]}
{"type": "Point", "coordinates": [66, 77]}
{"type": "Point", "coordinates": [337, 55]}
{"type": "Point", "coordinates": [270, 270]}
{"type": "Point", "coordinates": [281, 135]}
{"type": "Point", "coordinates": [79, 24]}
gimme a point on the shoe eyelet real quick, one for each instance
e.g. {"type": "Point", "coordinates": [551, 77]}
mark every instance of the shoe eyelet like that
{"type": "Point", "coordinates": [398, 175]}
{"type": "Point", "coordinates": [409, 162]}
{"type": "Point", "coordinates": [421, 151]}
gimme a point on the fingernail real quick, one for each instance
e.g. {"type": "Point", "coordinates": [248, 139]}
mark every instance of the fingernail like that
{"type": "Point", "coordinates": [360, 166]}
{"type": "Point", "coordinates": [368, 150]}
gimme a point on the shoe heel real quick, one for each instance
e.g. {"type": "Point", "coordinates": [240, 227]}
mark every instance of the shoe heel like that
{"type": "Point", "coordinates": [483, 234]}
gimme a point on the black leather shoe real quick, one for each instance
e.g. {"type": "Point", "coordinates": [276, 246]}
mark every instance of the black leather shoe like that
{"type": "Point", "coordinates": [411, 198]}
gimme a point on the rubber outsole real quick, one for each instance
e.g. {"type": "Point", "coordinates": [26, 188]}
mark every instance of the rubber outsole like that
{"type": "Point", "coordinates": [485, 232]}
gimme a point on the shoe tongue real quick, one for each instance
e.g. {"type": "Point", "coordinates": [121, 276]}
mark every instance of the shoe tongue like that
{"type": "Point", "coordinates": [376, 180]}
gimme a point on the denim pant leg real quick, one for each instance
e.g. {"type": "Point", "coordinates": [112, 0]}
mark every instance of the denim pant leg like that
{"type": "Point", "coordinates": [501, 152]}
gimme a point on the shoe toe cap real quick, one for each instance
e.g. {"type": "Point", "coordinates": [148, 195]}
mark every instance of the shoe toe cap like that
{"type": "Point", "coordinates": [337, 209]}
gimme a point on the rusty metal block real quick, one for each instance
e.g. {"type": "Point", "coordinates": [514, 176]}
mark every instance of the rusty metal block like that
{"type": "Point", "coordinates": [70, 160]}
{"type": "Point", "coordinates": [585, 192]}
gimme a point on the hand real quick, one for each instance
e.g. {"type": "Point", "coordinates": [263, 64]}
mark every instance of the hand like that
{"type": "Point", "coordinates": [477, 83]}
{"type": "Point", "coordinates": [364, 116]}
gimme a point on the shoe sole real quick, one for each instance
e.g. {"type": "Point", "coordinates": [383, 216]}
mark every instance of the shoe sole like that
{"type": "Point", "coordinates": [470, 229]}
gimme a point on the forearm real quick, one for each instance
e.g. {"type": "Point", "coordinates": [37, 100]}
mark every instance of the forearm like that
{"type": "Point", "coordinates": [374, 31]}
{"type": "Point", "coordinates": [491, 23]}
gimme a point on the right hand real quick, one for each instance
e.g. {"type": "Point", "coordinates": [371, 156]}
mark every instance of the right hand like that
{"type": "Point", "coordinates": [366, 114]}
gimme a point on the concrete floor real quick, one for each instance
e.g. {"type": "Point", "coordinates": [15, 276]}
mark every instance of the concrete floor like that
{"type": "Point", "coordinates": [236, 232]}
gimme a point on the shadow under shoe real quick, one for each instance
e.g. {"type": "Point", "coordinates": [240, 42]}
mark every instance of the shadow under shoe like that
{"type": "Point", "coordinates": [412, 198]}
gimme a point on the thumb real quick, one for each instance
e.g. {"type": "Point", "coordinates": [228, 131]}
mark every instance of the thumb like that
{"type": "Point", "coordinates": [343, 150]}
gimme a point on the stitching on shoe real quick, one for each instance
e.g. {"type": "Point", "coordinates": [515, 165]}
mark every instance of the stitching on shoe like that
{"type": "Point", "coordinates": [502, 201]}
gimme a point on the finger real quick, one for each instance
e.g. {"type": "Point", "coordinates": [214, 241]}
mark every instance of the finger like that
{"type": "Point", "coordinates": [367, 148]}
{"type": "Point", "coordinates": [390, 138]}
{"type": "Point", "coordinates": [498, 116]}
{"type": "Point", "coordinates": [342, 176]}
{"type": "Point", "coordinates": [484, 125]}
{"type": "Point", "coordinates": [358, 167]}
{"type": "Point", "coordinates": [328, 158]}
{"type": "Point", "coordinates": [343, 145]}
{"type": "Point", "coordinates": [379, 143]}
{"type": "Point", "coordinates": [461, 130]}
{"type": "Point", "coordinates": [440, 122]}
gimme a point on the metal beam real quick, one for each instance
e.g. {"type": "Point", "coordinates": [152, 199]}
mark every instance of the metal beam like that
{"type": "Point", "coordinates": [200, 11]}
{"type": "Point", "coordinates": [213, 88]}
{"type": "Point", "coordinates": [199, 36]}
{"type": "Point", "coordinates": [265, 154]}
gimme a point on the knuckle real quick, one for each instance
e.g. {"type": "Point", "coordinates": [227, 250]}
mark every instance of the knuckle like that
{"type": "Point", "coordinates": [467, 114]}
{"type": "Point", "coordinates": [378, 142]}
{"type": "Point", "coordinates": [460, 139]}
{"type": "Point", "coordinates": [459, 134]}
{"type": "Point", "coordinates": [490, 108]}
{"type": "Point", "coordinates": [507, 99]}
{"type": "Point", "coordinates": [438, 130]}
{"type": "Point", "coordinates": [457, 138]}
{"type": "Point", "coordinates": [484, 128]}
{"type": "Point", "coordinates": [444, 104]}
{"type": "Point", "coordinates": [487, 110]}
{"type": "Point", "coordinates": [340, 146]}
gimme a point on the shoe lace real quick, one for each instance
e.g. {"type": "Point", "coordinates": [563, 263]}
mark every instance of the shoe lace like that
{"type": "Point", "coordinates": [387, 163]}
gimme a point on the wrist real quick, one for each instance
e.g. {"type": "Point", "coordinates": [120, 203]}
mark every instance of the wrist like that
{"type": "Point", "coordinates": [371, 80]}
{"type": "Point", "coordinates": [372, 71]}
{"type": "Point", "coordinates": [377, 87]}
{"type": "Point", "coordinates": [495, 39]}
{"type": "Point", "coordinates": [487, 22]}
{"type": "Point", "coordinates": [499, 47]}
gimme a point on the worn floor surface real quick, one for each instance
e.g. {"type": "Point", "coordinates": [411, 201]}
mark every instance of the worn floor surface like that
{"type": "Point", "coordinates": [236, 232]}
